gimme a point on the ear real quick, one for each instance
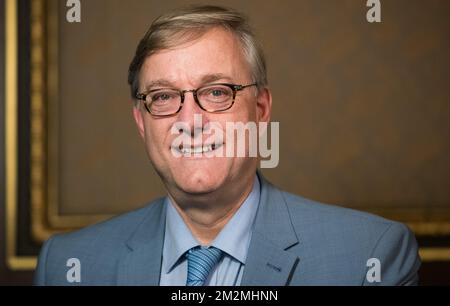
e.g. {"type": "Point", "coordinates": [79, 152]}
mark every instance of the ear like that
{"type": "Point", "coordinates": [264, 105]}
{"type": "Point", "coordinates": [138, 118]}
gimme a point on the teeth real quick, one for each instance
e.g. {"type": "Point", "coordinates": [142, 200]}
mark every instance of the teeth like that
{"type": "Point", "coordinates": [197, 150]}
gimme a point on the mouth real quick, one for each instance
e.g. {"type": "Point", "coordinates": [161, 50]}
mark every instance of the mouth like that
{"type": "Point", "coordinates": [198, 149]}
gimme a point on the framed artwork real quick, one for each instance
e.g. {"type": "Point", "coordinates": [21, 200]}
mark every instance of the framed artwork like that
{"type": "Point", "coordinates": [358, 128]}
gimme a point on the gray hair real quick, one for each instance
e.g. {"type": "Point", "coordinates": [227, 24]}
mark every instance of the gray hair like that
{"type": "Point", "coordinates": [178, 27]}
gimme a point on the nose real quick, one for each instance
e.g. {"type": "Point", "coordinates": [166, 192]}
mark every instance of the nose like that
{"type": "Point", "coordinates": [191, 115]}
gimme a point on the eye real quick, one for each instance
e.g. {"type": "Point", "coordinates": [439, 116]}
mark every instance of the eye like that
{"type": "Point", "coordinates": [163, 96]}
{"type": "Point", "coordinates": [217, 92]}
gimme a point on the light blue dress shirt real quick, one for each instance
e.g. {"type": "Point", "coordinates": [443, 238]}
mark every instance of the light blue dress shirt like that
{"type": "Point", "coordinates": [233, 240]}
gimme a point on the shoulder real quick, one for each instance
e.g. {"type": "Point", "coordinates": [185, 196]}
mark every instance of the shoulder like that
{"type": "Point", "coordinates": [333, 216]}
{"type": "Point", "coordinates": [114, 230]}
{"type": "Point", "coordinates": [341, 223]}
{"type": "Point", "coordinates": [352, 239]}
{"type": "Point", "coordinates": [99, 247]}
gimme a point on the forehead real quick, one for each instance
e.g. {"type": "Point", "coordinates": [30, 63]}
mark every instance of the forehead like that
{"type": "Point", "coordinates": [217, 52]}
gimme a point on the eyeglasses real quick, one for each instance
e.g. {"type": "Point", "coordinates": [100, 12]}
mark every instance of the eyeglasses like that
{"type": "Point", "coordinates": [212, 98]}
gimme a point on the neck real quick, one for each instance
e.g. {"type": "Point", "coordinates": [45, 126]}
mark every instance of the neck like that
{"type": "Point", "coordinates": [206, 220]}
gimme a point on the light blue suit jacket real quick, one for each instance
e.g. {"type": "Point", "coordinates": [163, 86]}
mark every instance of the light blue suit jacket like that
{"type": "Point", "coordinates": [295, 241]}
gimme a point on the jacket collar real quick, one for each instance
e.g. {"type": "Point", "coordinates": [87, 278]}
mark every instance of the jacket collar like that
{"type": "Point", "coordinates": [141, 265]}
{"type": "Point", "coordinates": [268, 261]}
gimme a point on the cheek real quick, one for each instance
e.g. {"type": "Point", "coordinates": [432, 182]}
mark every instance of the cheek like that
{"type": "Point", "coordinates": [155, 135]}
{"type": "Point", "coordinates": [245, 111]}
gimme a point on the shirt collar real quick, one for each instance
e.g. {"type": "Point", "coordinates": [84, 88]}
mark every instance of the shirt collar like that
{"type": "Point", "coordinates": [233, 239]}
{"type": "Point", "coordinates": [178, 239]}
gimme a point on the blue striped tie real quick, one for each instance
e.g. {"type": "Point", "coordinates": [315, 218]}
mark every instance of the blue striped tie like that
{"type": "Point", "coordinates": [200, 263]}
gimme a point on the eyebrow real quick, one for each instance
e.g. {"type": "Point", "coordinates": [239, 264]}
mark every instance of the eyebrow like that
{"type": "Point", "coordinates": [208, 78]}
{"type": "Point", "coordinates": [158, 83]}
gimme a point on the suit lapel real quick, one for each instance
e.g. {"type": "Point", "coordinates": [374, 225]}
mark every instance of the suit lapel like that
{"type": "Point", "coordinates": [141, 265]}
{"type": "Point", "coordinates": [268, 261]}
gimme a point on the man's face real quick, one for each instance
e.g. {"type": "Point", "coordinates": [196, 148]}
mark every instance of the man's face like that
{"type": "Point", "coordinates": [216, 57]}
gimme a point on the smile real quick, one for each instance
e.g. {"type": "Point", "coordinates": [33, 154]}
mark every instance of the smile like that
{"type": "Point", "coordinates": [198, 149]}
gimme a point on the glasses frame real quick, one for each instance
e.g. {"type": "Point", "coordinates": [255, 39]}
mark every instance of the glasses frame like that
{"type": "Point", "coordinates": [234, 87]}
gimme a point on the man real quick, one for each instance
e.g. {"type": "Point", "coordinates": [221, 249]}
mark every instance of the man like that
{"type": "Point", "coordinates": [221, 223]}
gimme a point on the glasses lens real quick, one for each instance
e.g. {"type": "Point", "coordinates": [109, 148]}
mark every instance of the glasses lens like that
{"type": "Point", "coordinates": [215, 97]}
{"type": "Point", "coordinates": [163, 102]}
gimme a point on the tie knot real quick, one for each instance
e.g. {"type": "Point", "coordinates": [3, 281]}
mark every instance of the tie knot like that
{"type": "Point", "coordinates": [200, 263]}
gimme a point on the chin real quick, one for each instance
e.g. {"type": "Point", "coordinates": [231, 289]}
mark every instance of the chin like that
{"type": "Point", "coordinates": [200, 181]}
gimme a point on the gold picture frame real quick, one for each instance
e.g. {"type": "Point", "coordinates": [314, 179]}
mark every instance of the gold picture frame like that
{"type": "Point", "coordinates": [44, 166]}
{"type": "Point", "coordinates": [45, 218]}
{"type": "Point", "coordinates": [13, 261]}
